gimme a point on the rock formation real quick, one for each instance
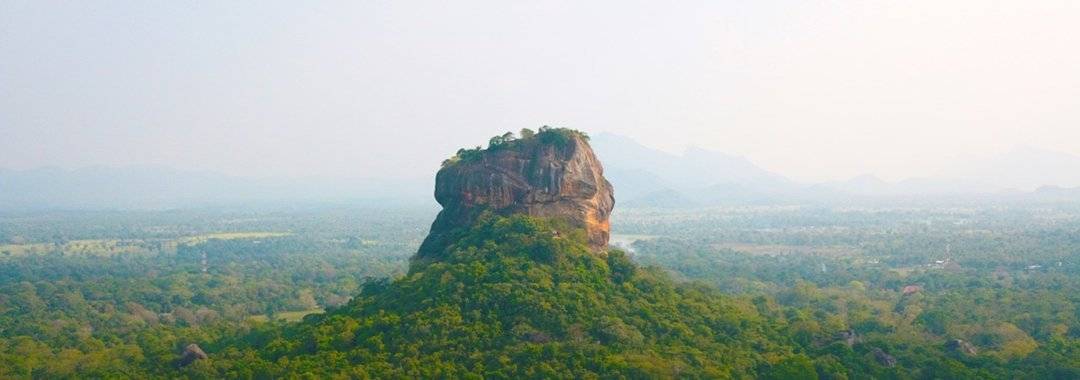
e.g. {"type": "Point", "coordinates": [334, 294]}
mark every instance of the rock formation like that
{"type": "Point", "coordinates": [552, 174]}
{"type": "Point", "coordinates": [911, 289]}
{"type": "Point", "coordinates": [191, 353]}
{"type": "Point", "coordinates": [883, 358]}
{"type": "Point", "coordinates": [962, 346]}
{"type": "Point", "coordinates": [849, 337]}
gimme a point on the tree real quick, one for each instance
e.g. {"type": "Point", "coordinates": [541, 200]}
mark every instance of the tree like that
{"type": "Point", "coordinates": [794, 367]}
{"type": "Point", "coordinates": [501, 140]}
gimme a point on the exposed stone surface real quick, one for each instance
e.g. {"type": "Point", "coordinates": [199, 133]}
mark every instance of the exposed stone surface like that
{"type": "Point", "coordinates": [911, 289]}
{"type": "Point", "coordinates": [191, 353]}
{"type": "Point", "coordinates": [962, 346]}
{"type": "Point", "coordinates": [554, 174]}
{"type": "Point", "coordinates": [849, 337]}
{"type": "Point", "coordinates": [884, 358]}
{"type": "Point", "coordinates": [537, 337]}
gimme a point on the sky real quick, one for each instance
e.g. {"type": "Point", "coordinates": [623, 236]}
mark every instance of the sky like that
{"type": "Point", "coordinates": [814, 90]}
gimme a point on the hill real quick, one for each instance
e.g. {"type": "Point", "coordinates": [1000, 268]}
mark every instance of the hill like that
{"type": "Point", "coordinates": [521, 297]}
{"type": "Point", "coordinates": [517, 285]}
{"type": "Point", "coordinates": [520, 284]}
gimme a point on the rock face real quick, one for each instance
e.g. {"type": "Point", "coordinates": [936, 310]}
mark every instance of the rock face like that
{"type": "Point", "coordinates": [552, 174]}
{"type": "Point", "coordinates": [884, 358]}
{"type": "Point", "coordinates": [911, 289]}
{"type": "Point", "coordinates": [191, 353]}
{"type": "Point", "coordinates": [962, 346]}
{"type": "Point", "coordinates": [849, 337]}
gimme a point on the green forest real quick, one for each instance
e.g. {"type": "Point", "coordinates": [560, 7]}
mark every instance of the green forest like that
{"type": "Point", "coordinates": [725, 293]}
{"type": "Point", "coordinates": [533, 190]}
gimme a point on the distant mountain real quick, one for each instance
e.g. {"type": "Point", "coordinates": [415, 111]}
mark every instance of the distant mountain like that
{"type": "Point", "coordinates": [645, 176]}
{"type": "Point", "coordinates": [1023, 168]}
{"type": "Point", "coordinates": [1011, 175]}
{"type": "Point", "coordinates": [159, 187]}
{"type": "Point", "coordinates": [871, 186]}
{"type": "Point", "coordinates": [666, 198]}
{"type": "Point", "coordinates": [642, 177]}
{"type": "Point", "coordinates": [1056, 194]}
{"type": "Point", "coordinates": [865, 184]}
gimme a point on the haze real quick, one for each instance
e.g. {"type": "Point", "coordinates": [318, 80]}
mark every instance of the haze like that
{"type": "Point", "coordinates": [812, 90]}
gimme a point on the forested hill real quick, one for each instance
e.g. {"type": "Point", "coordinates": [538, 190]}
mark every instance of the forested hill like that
{"type": "Point", "coordinates": [522, 288]}
{"type": "Point", "coordinates": [521, 284]}
{"type": "Point", "coordinates": [521, 297]}
{"type": "Point", "coordinates": [515, 290]}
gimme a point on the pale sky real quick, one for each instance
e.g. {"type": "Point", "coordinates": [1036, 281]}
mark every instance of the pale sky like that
{"type": "Point", "coordinates": [815, 90]}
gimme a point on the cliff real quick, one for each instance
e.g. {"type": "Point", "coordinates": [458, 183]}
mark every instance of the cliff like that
{"type": "Point", "coordinates": [552, 174]}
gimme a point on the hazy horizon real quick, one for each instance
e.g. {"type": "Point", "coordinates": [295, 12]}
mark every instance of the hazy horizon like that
{"type": "Point", "coordinates": [812, 91]}
{"type": "Point", "coordinates": [770, 189]}
{"type": "Point", "coordinates": [938, 173]}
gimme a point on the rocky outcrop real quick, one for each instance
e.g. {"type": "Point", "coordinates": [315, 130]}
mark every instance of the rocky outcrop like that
{"type": "Point", "coordinates": [191, 354]}
{"type": "Point", "coordinates": [962, 346]}
{"type": "Point", "coordinates": [849, 337]}
{"type": "Point", "coordinates": [552, 174]}
{"type": "Point", "coordinates": [911, 289]}
{"type": "Point", "coordinates": [883, 358]}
